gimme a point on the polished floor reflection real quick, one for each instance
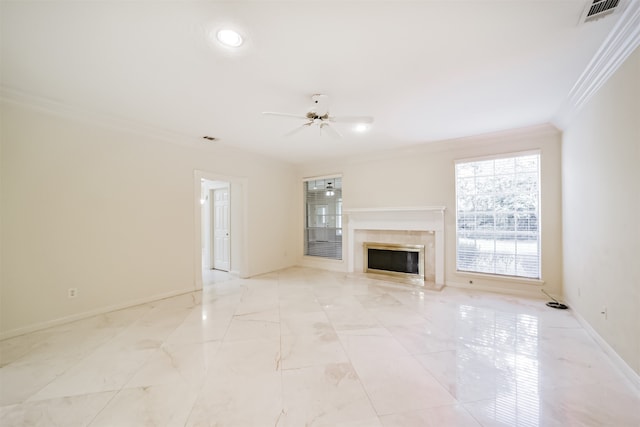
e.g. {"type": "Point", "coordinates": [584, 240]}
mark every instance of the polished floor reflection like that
{"type": "Point", "coordinates": [304, 347]}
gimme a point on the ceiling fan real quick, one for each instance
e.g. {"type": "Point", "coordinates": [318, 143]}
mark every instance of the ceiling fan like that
{"type": "Point", "coordinates": [318, 116]}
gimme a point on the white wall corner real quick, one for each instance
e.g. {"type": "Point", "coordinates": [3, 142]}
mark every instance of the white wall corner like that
{"type": "Point", "coordinates": [621, 42]}
{"type": "Point", "coordinates": [623, 367]}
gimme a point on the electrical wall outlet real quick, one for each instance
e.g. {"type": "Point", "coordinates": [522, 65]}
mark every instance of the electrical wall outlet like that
{"type": "Point", "coordinates": [72, 292]}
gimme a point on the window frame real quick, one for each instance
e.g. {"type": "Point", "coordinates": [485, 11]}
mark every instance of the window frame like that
{"type": "Point", "coordinates": [335, 213]}
{"type": "Point", "coordinates": [537, 277]}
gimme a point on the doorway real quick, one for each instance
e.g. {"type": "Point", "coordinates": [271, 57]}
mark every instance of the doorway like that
{"type": "Point", "coordinates": [216, 228]}
{"type": "Point", "coordinates": [220, 232]}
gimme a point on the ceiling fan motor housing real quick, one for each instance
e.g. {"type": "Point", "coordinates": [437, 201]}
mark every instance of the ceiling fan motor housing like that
{"type": "Point", "coordinates": [313, 115]}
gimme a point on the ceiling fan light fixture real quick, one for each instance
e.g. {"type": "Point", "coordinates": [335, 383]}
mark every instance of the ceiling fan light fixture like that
{"type": "Point", "coordinates": [229, 38]}
{"type": "Point", "coordinates": [361, 127]}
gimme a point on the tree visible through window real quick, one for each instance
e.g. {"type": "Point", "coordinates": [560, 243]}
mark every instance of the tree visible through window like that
{"type": "Point", "coordinates": [323, 223]}
{"type": "Point", "coordinates": [497, 216]}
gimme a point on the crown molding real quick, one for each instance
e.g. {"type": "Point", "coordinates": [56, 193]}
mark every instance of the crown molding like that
{"type": "Point", "coordinates": [48, 106]}
{"type": "Point", "coordinates": [623, 39]}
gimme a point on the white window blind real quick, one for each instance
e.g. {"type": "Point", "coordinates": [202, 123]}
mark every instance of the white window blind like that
{"type": "Point", "coordinates": [497, 216]}
{"type": "Point", "coordinates": [323, 223]}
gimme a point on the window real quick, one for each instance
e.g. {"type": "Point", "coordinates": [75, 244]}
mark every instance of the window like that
{"type": "Point", "coordinates": [497, 216]}
{"type": "Point", "coordinates": [323, 223]}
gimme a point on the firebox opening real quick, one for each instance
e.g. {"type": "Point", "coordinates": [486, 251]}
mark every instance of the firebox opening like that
{"type": "Point", "coordinates": [390, 260]}
{"type": "Point", "coordinates": [394, 259]}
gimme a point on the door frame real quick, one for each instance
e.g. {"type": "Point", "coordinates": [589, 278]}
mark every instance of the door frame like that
{"type": "Point", "coordinates": [238, 195]}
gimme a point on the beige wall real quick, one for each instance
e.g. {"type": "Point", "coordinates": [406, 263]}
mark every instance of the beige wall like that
{"type": "Point", "coordinates": [601, 185]}
{"type": "Point", "coordinates": [112, 213]}
{"type": "Point", "coordinates": [424, 176]}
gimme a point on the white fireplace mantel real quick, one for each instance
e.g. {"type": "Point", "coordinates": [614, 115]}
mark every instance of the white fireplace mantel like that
{"type": "Point", "coordinates": [421, 218]}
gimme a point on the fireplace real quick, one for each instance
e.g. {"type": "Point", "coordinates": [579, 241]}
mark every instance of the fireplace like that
{"type": "Point", "coordinates": [393, 259]}
{"type": "Point", "coordinates": [398, 226]}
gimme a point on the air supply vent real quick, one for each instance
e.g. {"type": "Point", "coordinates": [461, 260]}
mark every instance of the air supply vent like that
{"type": "Point", "coordinates": [598, 9]}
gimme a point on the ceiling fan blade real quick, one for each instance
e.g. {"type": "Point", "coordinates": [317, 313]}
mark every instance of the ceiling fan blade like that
{"type": "Point", "coordinates": [351, 119]}
{"type": "Point", "coordinates": [295, 116]}
{"type": "Point", "coordinates": [296, 130]}
{"type": "Point", "coordinates": [331, 130]}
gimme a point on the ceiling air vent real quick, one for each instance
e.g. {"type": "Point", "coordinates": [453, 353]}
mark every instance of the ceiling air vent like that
{"type": "Point", "coordinates": [598, 9]}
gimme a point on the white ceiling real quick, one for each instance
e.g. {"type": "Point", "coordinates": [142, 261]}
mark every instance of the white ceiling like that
{"type": "Point", "coordinates": [426, 70]}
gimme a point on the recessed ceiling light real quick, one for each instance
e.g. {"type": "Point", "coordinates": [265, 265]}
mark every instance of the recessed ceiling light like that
{"type": "Point", "coordinates": [361, 127]}
{"type": "Point", "coordinates": [229, 38]}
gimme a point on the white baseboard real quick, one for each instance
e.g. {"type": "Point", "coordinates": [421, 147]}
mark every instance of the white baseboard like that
{"type": "Point", "coordinates": [530, 292]}
{"type": "Point", "coordinates": [625, 369]}
{"type": "Point", "coordinates": [79, 316]}
{"type": "Point", "coordinates": [338, 266]}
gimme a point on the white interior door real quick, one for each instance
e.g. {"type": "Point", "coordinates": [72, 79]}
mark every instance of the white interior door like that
{"type": "Point", "coordinates": [221, 245]}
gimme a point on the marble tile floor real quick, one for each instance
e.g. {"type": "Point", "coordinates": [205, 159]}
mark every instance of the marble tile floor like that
{"type": "Point", "coordinates": [303, 347]}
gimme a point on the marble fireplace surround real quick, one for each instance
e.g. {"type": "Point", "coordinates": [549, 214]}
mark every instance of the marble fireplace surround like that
{"type": "Point", "coordinates": [410, 225]}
